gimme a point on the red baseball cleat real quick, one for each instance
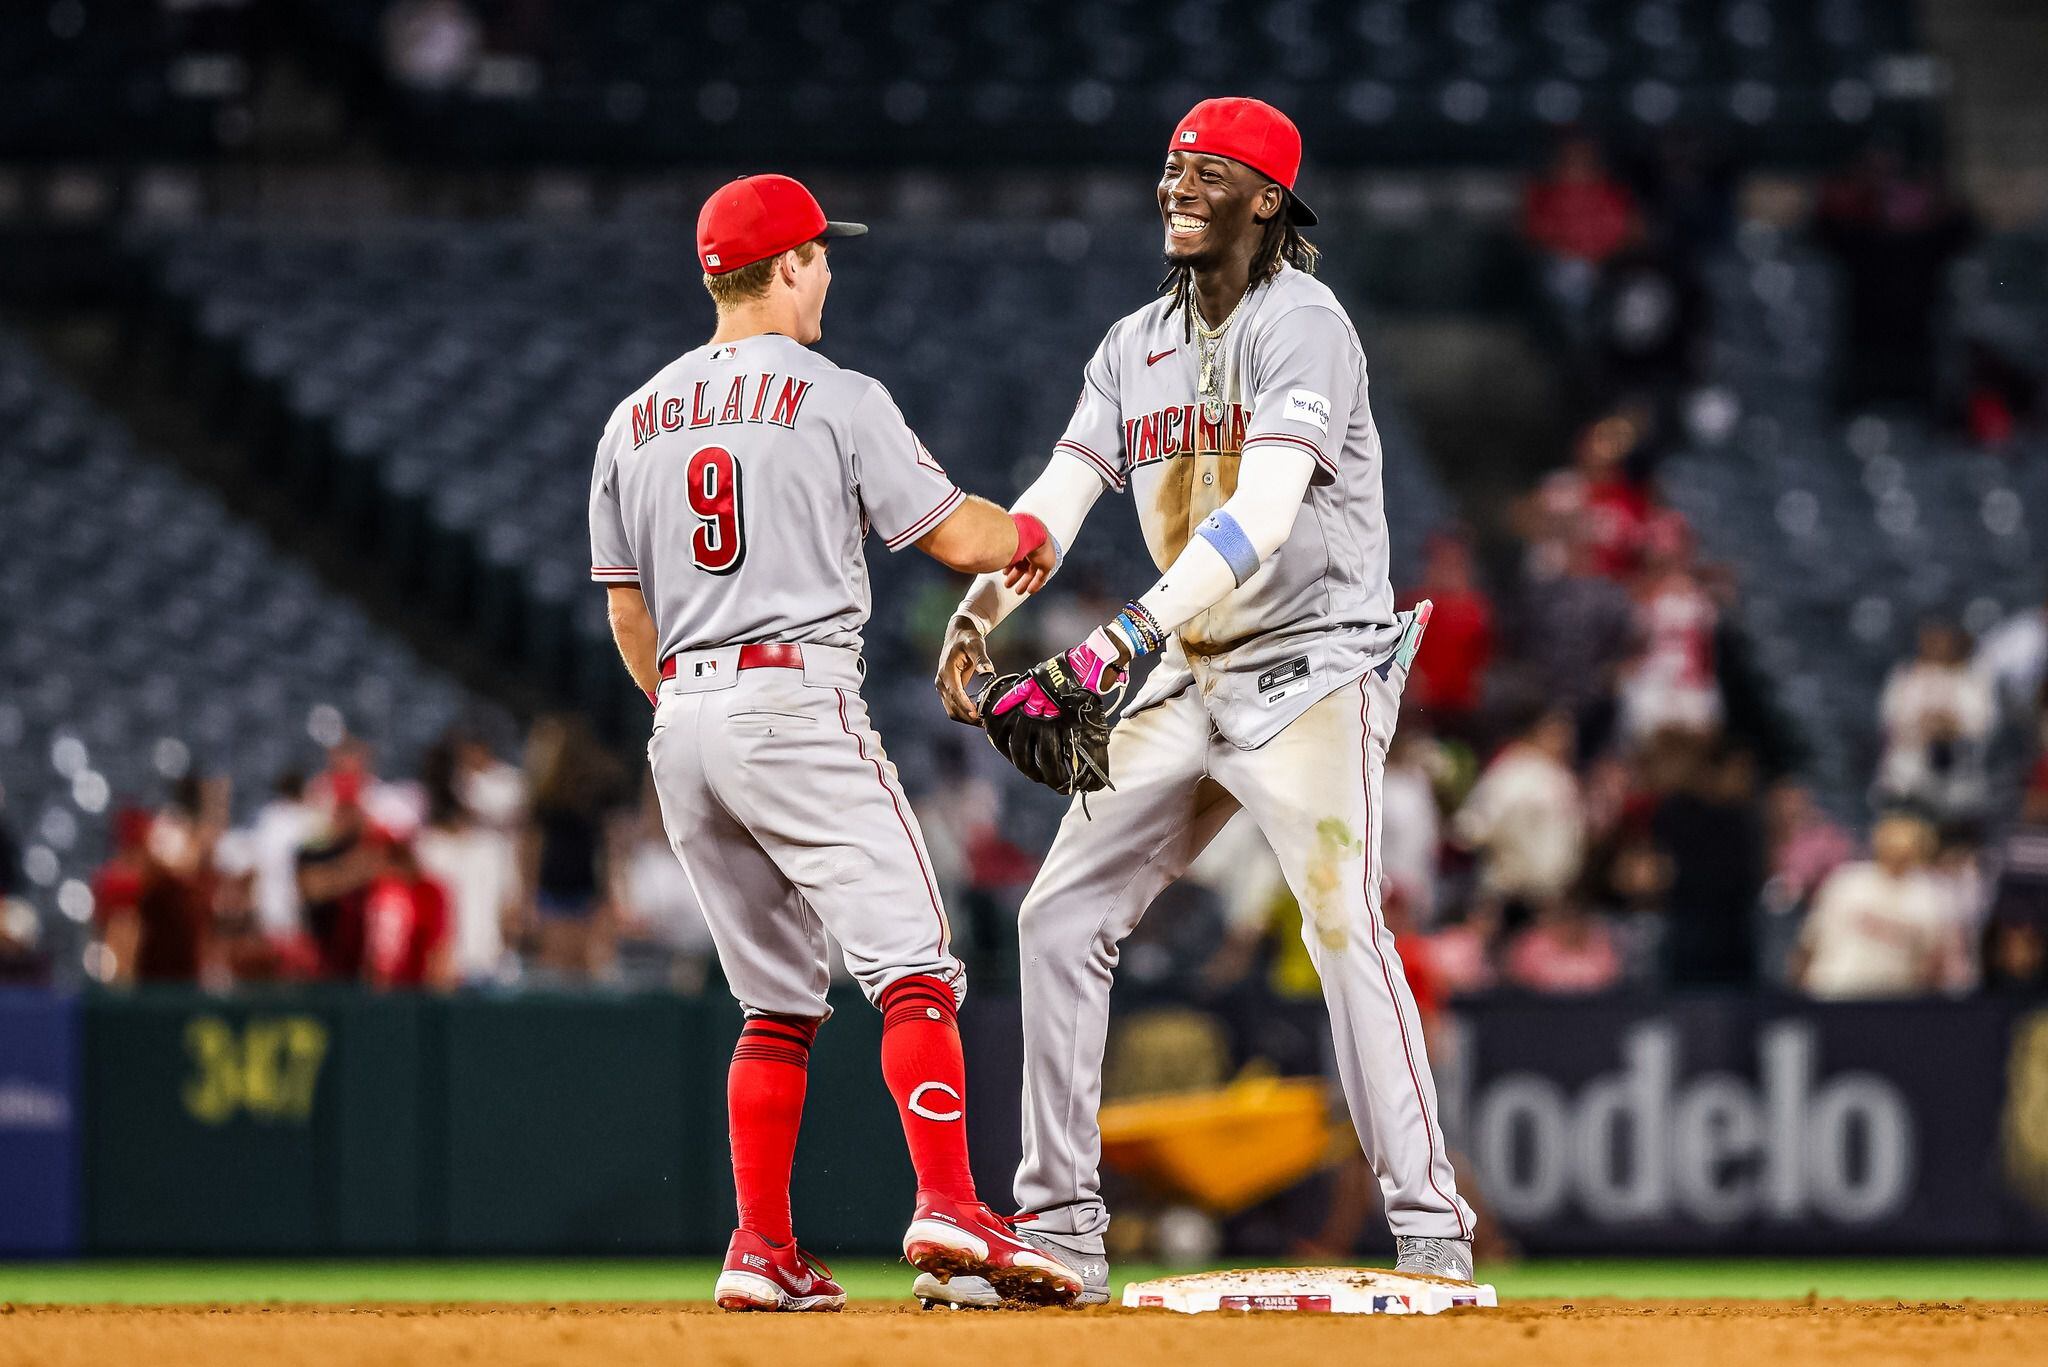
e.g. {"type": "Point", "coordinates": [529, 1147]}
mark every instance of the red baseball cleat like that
{"type": "Point", "coordinates": [957, 1239]}
{"type": "Point", "coordinates": [759, 1275]}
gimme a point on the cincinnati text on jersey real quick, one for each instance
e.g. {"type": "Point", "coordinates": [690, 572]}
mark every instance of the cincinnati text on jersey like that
{"type": "Point", "coordinates": [1183, 430]}
{"type": "Point", "coordinates": [746, 399]}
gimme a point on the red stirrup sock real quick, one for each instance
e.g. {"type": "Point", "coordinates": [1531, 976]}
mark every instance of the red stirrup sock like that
{"type": "Point", "coordinates": [764, 1103]}
{"type": "Point", "coordinates": [921, 1063]}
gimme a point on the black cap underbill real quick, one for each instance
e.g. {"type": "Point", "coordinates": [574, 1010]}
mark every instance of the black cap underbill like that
{"type": "Point", "coordinates": [846, 230]}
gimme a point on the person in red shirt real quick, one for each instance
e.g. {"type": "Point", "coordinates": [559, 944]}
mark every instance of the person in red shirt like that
{"type": "Point", "coordinates": [1576, 210]}
{"type": "Point", "coordinates": [407, 924]}
{"type": "Point", "coordinates": [1450, 671]}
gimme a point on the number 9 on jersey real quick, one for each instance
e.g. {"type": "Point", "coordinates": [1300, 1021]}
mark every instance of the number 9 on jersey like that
{"type": "Point", "coordinates": [717, 546]}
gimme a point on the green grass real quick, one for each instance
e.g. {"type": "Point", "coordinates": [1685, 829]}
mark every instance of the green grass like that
{"type": "Point", "coordinates": [625, 1279]}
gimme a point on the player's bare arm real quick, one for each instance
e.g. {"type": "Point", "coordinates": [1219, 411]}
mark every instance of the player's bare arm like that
{"type": "Point", "coordinates": [980, 538]}
{"type": "Point", "coordinates": [633, 631]}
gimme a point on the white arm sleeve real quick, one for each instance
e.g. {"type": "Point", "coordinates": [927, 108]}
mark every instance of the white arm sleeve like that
{"type": "Point", "coordinates": [1060, 498]}
{"type": "Point", "coordinates": [1200, 577]}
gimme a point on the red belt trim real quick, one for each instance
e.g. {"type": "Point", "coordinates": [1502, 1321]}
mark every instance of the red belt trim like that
{"type": "Point", "coordinates": [754, 657]}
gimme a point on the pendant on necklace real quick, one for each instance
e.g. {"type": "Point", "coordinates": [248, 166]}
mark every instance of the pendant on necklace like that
{"type": "Point", "coordinates": [1212, 408]}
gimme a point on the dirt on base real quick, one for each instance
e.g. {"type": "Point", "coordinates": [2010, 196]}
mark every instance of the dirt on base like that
{"type": "Point", "coordinates": [1589, 1333]}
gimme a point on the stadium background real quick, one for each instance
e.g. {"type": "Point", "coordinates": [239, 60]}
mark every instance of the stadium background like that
{"type": "Point", "coordinates": [1708, 343]}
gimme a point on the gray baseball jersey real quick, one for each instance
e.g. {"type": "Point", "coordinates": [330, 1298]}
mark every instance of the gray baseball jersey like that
{"type": "Point", "coordinates": [736, 488]}
{"type": "Point", "coordinates": [1319, 610]}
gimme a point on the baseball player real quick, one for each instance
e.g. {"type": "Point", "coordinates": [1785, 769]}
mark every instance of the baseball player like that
{"type": "Point", "coordinates": [731, 497]}
{"type": "Point", "coordinates": [1234, 411]}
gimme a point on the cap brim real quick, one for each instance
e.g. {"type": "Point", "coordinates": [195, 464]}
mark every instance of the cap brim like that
{"type": "Point", "coordinates": [1299, 214]}
{"type": "Point", "coordinates": [844, 230]}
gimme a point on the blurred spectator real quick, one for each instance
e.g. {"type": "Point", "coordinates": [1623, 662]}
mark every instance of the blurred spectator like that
{"type": "Point", "coordinates": [1879, 928]}
{"type": "Point", "coordinates": [407, 927]}
{"type": "Point", "coordinates": [493, 791]}
{"type": "Point", "coordinates": [2012, 660]}
{"type": "Point", "coordinates": [571, 779]}
{"type": "Point", "coordinates": [1936, 716]}
{"type": "Point", "coordinates": [1672, 681]}
{"type": "Point", "coordinates": [351, 766]}
{"type": "Point", "coordinates": [1895, 232]}
{"type": "Point", "coordinates": [1576, 215]}
{"type": "Point", "coordinates": [1410, 827]}
{"type": "Point", "coordinates": [1708, 831]}
{"type": "Point", "coordinates": [1524, 819]}
{"type": "Point", "coordinates": [1648, 319]}
{"type": "Point", "coordinates": [282, 827]}
{"type": "Point", "coordinates": [154, 896]}
{"type": "Point", "coordinates": [1461, 953]}
{"type": "Point", "coordinates": [1450, 669]}
{"type": "Point", "coordinates": [1569, 951]}
{"type": "Point", "coordinates": [1805, 846]}
{"type": "Point", "coordinates": [1576, 631]}
{"type": "Point", "coordinates": [2016, 932]}
{"type": "Point", "coordinates": [336, 867]}
{"type": "Point", "coordinates": [22, 960]}
{"type": "Point", "coordinates": [117, 897]}
{"type": "Point", "coordinates": [1998, 397]}
{"type": "Point", "coordinates": [476, 865]}
{"type": "Point", "coordinates": [1601, 501]}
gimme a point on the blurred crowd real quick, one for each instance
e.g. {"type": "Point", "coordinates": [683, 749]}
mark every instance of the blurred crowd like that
{"type": "Point", "coordinates": [472, 872]}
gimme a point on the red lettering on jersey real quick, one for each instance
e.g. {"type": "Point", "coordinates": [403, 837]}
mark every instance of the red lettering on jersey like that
{"type": "Point", "coordinates": [1211, 438]}
{"type": "Point", "coordinates": [735, 401]}
{"type": "Point", "coordinates": [1170, 433]}
{"type": "Point", "coordinates": [760, 397]}
{"type": "Point", "coordinates": [1148, 438]}
{"type": "Point", "coordinates": [644, 427]}
{"type": "Point", "coordinates": [671, 414]}
{"type": "Point", "coordinates": [700, 416]}
{"type": "Point", "coordinates": [1238, 418]}
{"type": "Point", "coordinates": [789, 401]}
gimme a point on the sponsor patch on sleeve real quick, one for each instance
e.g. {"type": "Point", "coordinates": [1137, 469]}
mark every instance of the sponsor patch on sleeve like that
{"type": "Point", "coordinates": [1307, 406]}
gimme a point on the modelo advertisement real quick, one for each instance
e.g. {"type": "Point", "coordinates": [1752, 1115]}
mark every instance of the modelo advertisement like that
{"type": "Point", "coordinates": [1756, 1125]}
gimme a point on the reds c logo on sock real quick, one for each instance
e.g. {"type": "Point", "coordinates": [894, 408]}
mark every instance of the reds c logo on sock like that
{"type": "Point", "coordinates": [917, 1107]}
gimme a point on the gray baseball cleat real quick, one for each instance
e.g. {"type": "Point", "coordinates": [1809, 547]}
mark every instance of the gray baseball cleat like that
{"type": "Point", "coordinates": [1084, 1254]}
{"type": "Point", "coordinates": [1434, 1257]}
{"type": "Point", "coordinates": [961, 1293]}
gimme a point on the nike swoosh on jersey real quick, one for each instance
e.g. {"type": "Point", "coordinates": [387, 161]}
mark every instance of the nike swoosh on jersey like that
{"type": "Point", "coordinates": [1157, 357]}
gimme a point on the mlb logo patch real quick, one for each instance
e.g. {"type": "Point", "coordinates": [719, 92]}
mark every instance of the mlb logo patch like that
{"type": "Point", "coordinates": [711, 258]}
{"type": "Point", "coordinates": [1188, 136]}
{"type": "Point", "coordinates": [704, 667]}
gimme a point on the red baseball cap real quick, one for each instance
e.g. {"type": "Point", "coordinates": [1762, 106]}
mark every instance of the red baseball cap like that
{"type": "Point", "coordinates": [1252, 132]}
{"type": "Point", "coordinates": [756, 217]}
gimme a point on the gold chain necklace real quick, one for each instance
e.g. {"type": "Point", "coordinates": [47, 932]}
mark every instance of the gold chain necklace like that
{"type": "Point", "coordinates": [1208, 343]}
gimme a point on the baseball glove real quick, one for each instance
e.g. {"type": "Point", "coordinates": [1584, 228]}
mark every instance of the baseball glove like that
{"type": "Point", "coordinates": [1067, 752]}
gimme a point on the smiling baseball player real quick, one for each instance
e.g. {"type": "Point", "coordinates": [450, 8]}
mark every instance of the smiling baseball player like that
{"type": "Point", "coordinates": [731, 497]}
{"type": "Point", "coordinates": [1234, 410]}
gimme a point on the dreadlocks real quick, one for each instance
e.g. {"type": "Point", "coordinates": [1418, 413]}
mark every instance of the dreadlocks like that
{"type": "Point", "coordinates": [1282, 242]}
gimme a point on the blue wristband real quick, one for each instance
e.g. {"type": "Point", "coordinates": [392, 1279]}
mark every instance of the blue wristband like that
{"type": "Point", "coordinates": [1222, 531]}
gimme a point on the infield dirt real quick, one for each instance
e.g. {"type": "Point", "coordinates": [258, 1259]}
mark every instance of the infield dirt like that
{"type": "Point", "coordinates": [1525, 1334]}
